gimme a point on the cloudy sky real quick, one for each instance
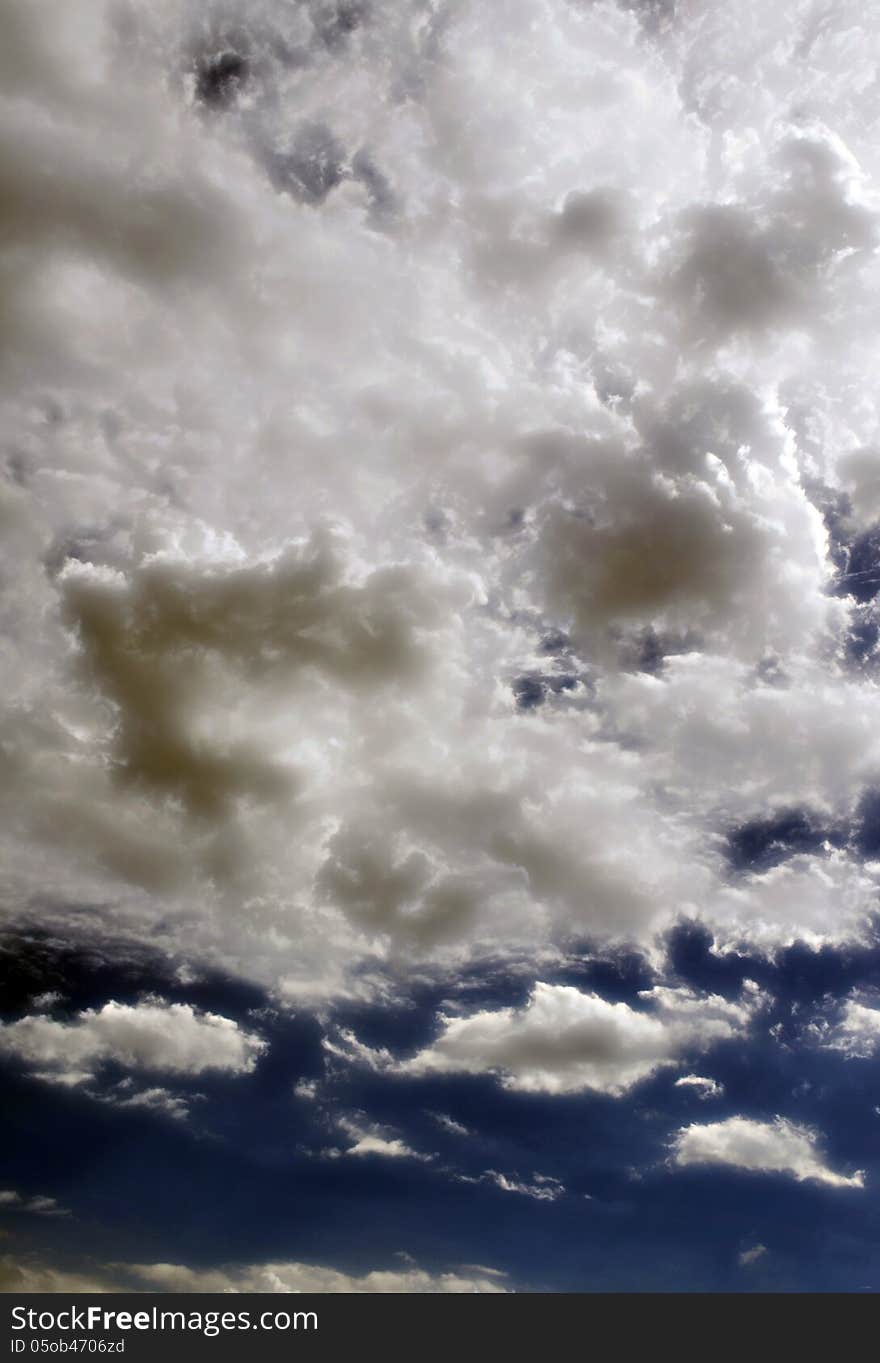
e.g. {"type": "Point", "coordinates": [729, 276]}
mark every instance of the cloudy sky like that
{"type": "Point", "coordinates": [440, 512]}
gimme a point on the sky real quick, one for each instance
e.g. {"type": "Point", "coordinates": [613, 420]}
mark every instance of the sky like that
{"type": "Point", "coordinates": [439, 576]}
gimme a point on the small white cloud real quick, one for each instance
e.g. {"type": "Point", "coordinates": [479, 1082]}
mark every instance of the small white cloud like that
{"type": "Point", "coordinates": [777, 1147]}
{"type": "Point", "coordinates": [542, 1188]}
{"type": "Point", "coordinates": [856, 1034]}
{"type": "Point", "coordinates": [347, 1047]}
{"type": "Point", "coordinates": [751, 1256]}
{"type": "Point", "coordinates": [373, 1140]}
{"type": "Point", "coordinates": [48, 1000]}
{"type": "Point", "coordinates": [152, 1035]}
{"type": "Point", "coordinates": [159, 1100]}
{"type": "Point", "coordinates": [378, 1145]}
{"type": "Point", "coordinates": [66, 1078]}
{"type": "Point", "coordinates": [703, 1088]}
{"type": "Point", "coordinates": [36, 1206]}
{"type": "Point", "coordinates": [565, 1041]}
{"type": "Point", "coordinates": [449, 1124]}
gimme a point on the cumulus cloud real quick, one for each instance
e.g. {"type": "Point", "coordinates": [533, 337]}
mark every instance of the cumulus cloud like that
{"type": "Point", "coordinates": [146, 641]}
{"type": "Point", "coordinates": [747, 1257]}
{"type": "Point", "coordinates": [369, 1139]}
{"type": "Point", "coordinates": [566, 1041]}
{"type": "Point", "coordinates": [855, 1033]}
{"type": "Point", "coordinates": [651, 551]}
{"type": "Point", "coordinates": [414, 509]}
{"type": "Point", "coordinates": [777, 1147]}
{"type": "Point", "coordinates": [439, 540]}
{"type": "Point", "coordinates": [151, 1035]}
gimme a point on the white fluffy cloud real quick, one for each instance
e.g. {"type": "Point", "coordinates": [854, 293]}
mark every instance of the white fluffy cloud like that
{"type": "Point", "coordinates": [368, 1139]}
{"type": "Point", "coordinates": [152, 1035]}
{"type": "Point", "coordinates": [777, 1147]}
{"type": "Point", "coordinates": [342, 409]}
{"type": "Point", "coordinates": [566, 1041]}
{"type": "Point", "coordinates": [154, 1099]}
{"type": "Point", "coordinates": [856, 1032]}
{"type": "Point", "coordinates": [703, 1088]}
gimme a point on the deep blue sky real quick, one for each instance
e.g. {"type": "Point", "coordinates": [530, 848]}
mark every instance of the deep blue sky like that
{"type": "Point", "coordinates": [248, 1178]}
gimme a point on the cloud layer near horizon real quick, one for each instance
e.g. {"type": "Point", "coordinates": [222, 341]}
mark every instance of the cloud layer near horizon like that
{"type": "Point", "coordinates": [273, 1277]}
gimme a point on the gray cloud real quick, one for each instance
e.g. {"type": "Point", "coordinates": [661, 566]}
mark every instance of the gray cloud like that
{"type": "Point", "coordinates": [148, 643]}
{"type": "Point", "coordinates": [656, 557]}
{"type": "Point", "coordinates": [746, 267]}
